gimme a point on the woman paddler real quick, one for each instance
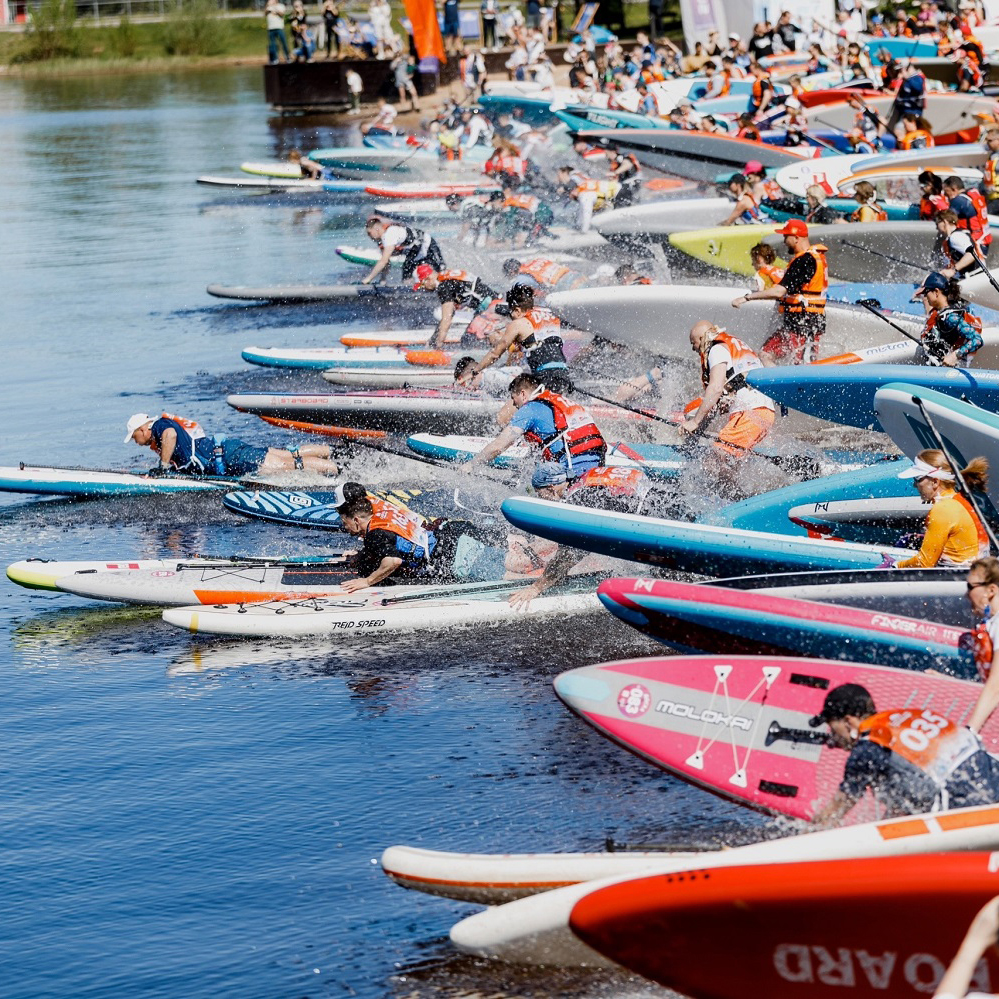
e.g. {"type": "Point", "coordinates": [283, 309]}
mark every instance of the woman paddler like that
{"type": "Point", "coordinates": [955, 535]}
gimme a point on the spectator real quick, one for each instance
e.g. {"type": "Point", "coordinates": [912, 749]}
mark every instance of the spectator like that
{"type": "Point", "coordinates": [404, 79]}
{"type": "Point", "coordinates": [300, 33]}
{"type": "Point", "coordinates": [533, 14]}
{"type": "Point", "coordinates": [355, 86]}
{"type": "Point", "coordinates": [474, 75]}
{"type": "Point", "coordinates": [331, 21]}
{"type": "Point", "coordinates": [380, 14]}
{"type": "Point", "coordinates": [274, 13]}
{"type": "Point", "coordinates": [786, 30]}
{"type": "Point", "coordinates": [516, 63]}
{"type": "Point", "coordinates": [489, 12]}
{"type": "Point", "coordinates": [452, 27]}
{"type": "Point", "coordinates": [655, 19]}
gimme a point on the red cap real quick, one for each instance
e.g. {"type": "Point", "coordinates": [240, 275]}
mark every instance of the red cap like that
{"type": "Point", "coordinates": [793, 227]}
{"type": "Point", "coordinates": [753, 166]}
{"type": "Point", "coordinates": [422, 273]}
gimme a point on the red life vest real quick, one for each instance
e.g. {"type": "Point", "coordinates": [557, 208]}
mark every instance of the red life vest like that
{"type": "Point", "coordinates": [978, 226]}
{"type": "Point", "coordinates": [618, 481]}
{"type": "Point", "coordinates": [812, 297]}
{"type": "Point", "coordinates": [931, 204]}
{"type": "Point", "coordinates": [573, 426]}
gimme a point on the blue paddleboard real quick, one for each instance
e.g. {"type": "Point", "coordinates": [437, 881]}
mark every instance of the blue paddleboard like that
{"type": "Point", "coordinates": [686, 547]}
{"type": "Point", "coordinates": [845, 393]}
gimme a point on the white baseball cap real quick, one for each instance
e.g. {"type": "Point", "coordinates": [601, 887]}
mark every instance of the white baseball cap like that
{"type": "Point", "coordinates": [136, 421]}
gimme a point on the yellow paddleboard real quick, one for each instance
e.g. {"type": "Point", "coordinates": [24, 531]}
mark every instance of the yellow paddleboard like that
{"type": "Point", "coordinates": [724, 246]}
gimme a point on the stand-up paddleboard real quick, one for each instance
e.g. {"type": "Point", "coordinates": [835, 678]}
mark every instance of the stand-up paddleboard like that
{"type": "Point", "coordinates": [54, 481]}
{"type": "Point", "coordinates": [867, 927]}
{"type": "Point", "coordinates": [967, 431]}
{"type": "Point", "coordinates": [321, 430]}
{"type": "Point", "coordinates": [370, 294]}
{"type": "Point", "coordinates": [694, 155]}
{"type": "Point", "coordinates": [979, 290]}
{"type": "Point", "coordinates": [402, 410]}
{"type": "Point", "coordinates": [847, 395]}
{"type": "Point", "coordinates": [287, 169]}
{"type": "Point", "coordinates": [634, 317]}
{"type": "Point", "coordinates": [264, 183]}
{"type": "Point", "coordinates": [406, 377]}
{"type": "Point", "coordinates": [496, 878]}
{"type": "Point", "coordinates": [401, 338]}
{"type": "Point", "coordinates": [317, 510]}
{"type": "Point", "coordinates": [365, 256]}
{"type": "Point", "coordinates": [686, 547]}
{"type": "Point", "coordinates": [430, 190]}
{"type": "Point", "coordinates": [369, 612]}
{"type": "Point", "coordinates": [738, 725]}
{"type": "Point", "coordinates": [324, 358]}
{"type": "Point", "coordinates": [898, 251]}
{"type": "Point", "coordinates": [869, 521]}
{"type": "Point", "coordinates": [770, 511]}
{"type": "Point", "coordinates": [661, 218]}
{"type": "Point", "coordinates": [189, 583]}
{"type": "Point", "coordinates": [701, 618]}
{"type": "Point", "coordinates": [415, 209]}
{"type": "Point", "coordinates": [44, 574]}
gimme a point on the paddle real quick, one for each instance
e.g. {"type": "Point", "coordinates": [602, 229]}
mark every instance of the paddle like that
{"type": "Point", "coordinates": [981, 263]}
{"type": "Point", "coordinates": [812, 138]}
{"type": "Point", "coordinates": [436, 462]}
{"type": "Point", "coordinates": [788, 463]}
{"type": "Point", "coordinates": [962, 486]}
{"type": "Point", "coordinates": [222, 480]}
{"type": "Point", "coordinates": [870, 303]}
{"type": "Point", "coordinates": [887, 256]}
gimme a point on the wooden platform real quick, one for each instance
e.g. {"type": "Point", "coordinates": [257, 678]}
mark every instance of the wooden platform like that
{"type": "Point", "coordinates": [321, 86]}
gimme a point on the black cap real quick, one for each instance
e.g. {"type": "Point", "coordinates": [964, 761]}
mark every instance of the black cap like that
{"type": "Point", "coordinates": [846, 699]}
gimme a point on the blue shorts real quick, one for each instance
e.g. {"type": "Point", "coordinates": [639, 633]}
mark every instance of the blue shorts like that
{"type": "Point", "coordinates": [240, 458]}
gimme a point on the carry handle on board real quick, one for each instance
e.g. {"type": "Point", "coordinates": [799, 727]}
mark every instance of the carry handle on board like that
{"type": "Point", "coordinates": [962, 486]}
{"type": "Point", "coordinates": [871, 303]}
{"type": "Point", "coordinates": [808, 736]}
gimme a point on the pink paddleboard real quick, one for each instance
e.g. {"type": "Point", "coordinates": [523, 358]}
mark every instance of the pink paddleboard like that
{"type": "Point", "coordinates": [738, 726]}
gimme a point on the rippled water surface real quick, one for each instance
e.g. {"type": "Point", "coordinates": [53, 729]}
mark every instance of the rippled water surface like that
{"type": "Point", "coordinates": [186, 817]}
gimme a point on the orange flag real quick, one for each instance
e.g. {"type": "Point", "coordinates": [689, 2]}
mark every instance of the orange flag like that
{"type": "Point", "coordinates": [426, 30]}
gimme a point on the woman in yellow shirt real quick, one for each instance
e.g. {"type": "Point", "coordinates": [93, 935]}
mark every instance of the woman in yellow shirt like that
{"type": "Point", "coordinates": [954, 535]}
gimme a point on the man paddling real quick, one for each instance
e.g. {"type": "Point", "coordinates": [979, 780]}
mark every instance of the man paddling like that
{"type": "Point", "coordinates": [559, 430]}
{"type": "Point", "coordinates": [914, 760]}
{"type": "Point", "coordinates": [184, 447]}
{"type": "Point", "coordinates": [801, 298]}
{"type": "Point", "coordinates": [725, 359]}
{"type": "Point", "coordinates": [543, 275]}
{"type": "Point", "coordinates": [456, 289]}
{"type": "Point", "coordinates": [417, 247]}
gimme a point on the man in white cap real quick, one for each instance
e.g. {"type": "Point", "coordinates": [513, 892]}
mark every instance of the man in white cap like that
{"type": "Point", "coordinates": [183, 447]}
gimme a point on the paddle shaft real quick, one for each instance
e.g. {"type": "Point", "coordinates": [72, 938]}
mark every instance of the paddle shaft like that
{"type": "Point", "coordinates": [812, 138]}
{"type": "Point", "coordinates": [981, 263]}
{"type": "Point", "coordinates": [887, 256]}
{"type": "Point", "coordinates": [424, 460]}
{"type": "Point", "coordinates": [774, 459]}
{"type": "Point", "coordinates": [962, 486]}
{"type": "Point", "coordinates": [222, 480]}
{"type": "Point", "coordinates": [930, 359]}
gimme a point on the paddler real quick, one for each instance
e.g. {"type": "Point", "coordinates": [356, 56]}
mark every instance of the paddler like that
{"type": "Point", "coordinates": [626, 170]}
{"type": "Point", "coordinates": [559, 430]}
{"type": "Point", "coordinates": [746, 210]}
{"type": "Point", "coordinates": [184, 447]}
{"type": "Point", "coordinates": [971, 211]}
{"type": "Point", "coordinates": [913, 760]}
{"type": "Point", "coordinates": [933, 199]}
{"type": "Point", "coordinates": [990, 171]}
{"type": "Point", "coordinates": [543, 275]}
{"type": "Point", "coordinates": [762, 94]}
{"type": "Point", "coordinates": [725, 359]}
{"type": "Point", "coordinates": [526, 218]}
{"type": "Point", "coordinates": [626, 490]}
{"type": "Point", "coordinates": [768, 271]}
{"type": "Point", "coordinates": [916, 132]}
{"type": "Point", "coordinates": [868, 209]}
{"type": "Point", "coordinates": [982, 592]}
{"type": "Point", "coordinates": [494, 382]}
{"type": "Point", "coordinates": [952, 334]}
{"type": "Point", "coordinates": [627, 275]}
{"type": "Point", "coordinates": [538, 332]}
{"type": "Point", "coordinates": [801, 297]}
{"type": "Point", "coordinates": [590, 195]}
{"type": "Point", "coordinates": [955, 536]}
{"type": "Point", "coordinates": [399, 547]}
{"type": "Point", "coordinates": [418, 247]}
{"type": "Point", "coordinates": [456, 289]}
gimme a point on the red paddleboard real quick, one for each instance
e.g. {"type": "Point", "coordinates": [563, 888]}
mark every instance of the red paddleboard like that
{"type": "Point", "coordinates": [429, 191]}
{"type": "Point", "coordinates": [882, 928]}
{"type": "Point", "coordinates": [347, 433]}
{"type": "Point", "coordinates": [738, 726]}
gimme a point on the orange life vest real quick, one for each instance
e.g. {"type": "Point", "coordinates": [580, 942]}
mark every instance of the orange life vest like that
{"type": "Point", "coordinates": [726, 84]}
{"type": "Point", "coordinates": [404, 523]}
{"type": "Point", "coordinates": [771, 189]}
{"type": "Point", "coordinates": [769, 275]}
{"type": "Point", "coordinates": [618, 480]}
{"type": "Point", "coordinates": [990, 177]}
{"type": "Point", "coordinates": [931, 319]}
{"type": "Point", "coordinates": [812, 297]}
{"type": "Point", "coordinates": [880, 215]}
{"type": "Point", "coordinates": [606, 190]}
{"type": "Point", "coordinates": [573, 426]}
{"type": "Point", "coordinates": [918, 139]}
{"type": "Point", "coordinates": [743, 357]}
{"type": "Point", "coordinates": [526, 202]}
{"type": "Point", "coordinates": [927, 740]}
{"type": "Point", "coordinates": [545, 272]}
{"type": "Point", "coordinates": [984, 545]}
{"type": "Point", "coordinates": [758, 89]}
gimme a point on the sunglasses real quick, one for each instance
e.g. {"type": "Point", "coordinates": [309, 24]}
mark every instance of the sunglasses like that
{"type": "Point", "coordinates": [974, 586]}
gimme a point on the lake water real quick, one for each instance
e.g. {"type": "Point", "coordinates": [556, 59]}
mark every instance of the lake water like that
{"type": "Point", "coordinates": [184, 817]}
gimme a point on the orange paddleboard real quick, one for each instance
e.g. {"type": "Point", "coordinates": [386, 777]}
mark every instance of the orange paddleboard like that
{"type": "Point", "coordinates": [346, 433]}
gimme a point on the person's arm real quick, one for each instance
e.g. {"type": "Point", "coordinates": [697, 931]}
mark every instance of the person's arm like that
{"type": "Point", "coordinates": [502, 345]}
{"type": "Point", "coordinates": [639, 385]}
{"type": "Point", "coordinates": [988, 699]}
{"type": "Point", "coordinates": [972, 341]}
{"type": "Point", "coordinates": [775, 291]}
{"type": "Point", "coordinates": [737, 211]}
{"type": "Point", "coordinates": [937, 531]}
{"type": "Point", "coordinates": [980, 936]}
{"type": "Point", "coordinates": [168, 444]}
{"type": "Point", "coordinates": [386, 567]}
{"type": "Point", "coordinates": [440, 334]}
{"type": "Point", "coordinates": [767, 97]}
{"type": "Point", "coordinates": [386, 257]}
{"type": "Point", "coordinates": [557, 571]}
{"type": "Point", "coordinates": [830, 814]}
{"type": "Point", "coordinates": [507, 437]}
{"type": "Point", "coordinates": [714, 392]}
